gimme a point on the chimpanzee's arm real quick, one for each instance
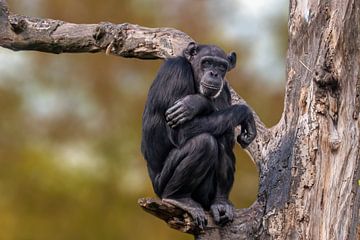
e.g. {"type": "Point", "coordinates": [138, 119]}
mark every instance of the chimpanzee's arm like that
{"type": "Point", "coordinates": [217, 123]}
{"type": "Point", "coordinates": [186, 108]}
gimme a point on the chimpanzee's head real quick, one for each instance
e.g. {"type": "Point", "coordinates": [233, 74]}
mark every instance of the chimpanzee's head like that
{"type": "Point", "coordinates": [209, 64]}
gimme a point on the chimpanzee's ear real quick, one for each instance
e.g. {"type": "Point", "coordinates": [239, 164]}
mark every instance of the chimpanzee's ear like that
{"type": "Point", "coordinates": [232, 60]}
{"type": "Point", "coordinates": [191, 50]}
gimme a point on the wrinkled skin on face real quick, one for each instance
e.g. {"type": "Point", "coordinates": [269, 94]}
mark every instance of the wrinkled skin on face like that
{"type": "Point", "coordinates": [210, 64]}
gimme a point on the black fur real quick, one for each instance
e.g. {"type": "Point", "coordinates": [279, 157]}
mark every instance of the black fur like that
{"type": "Point", "coordinates": [188, 133]}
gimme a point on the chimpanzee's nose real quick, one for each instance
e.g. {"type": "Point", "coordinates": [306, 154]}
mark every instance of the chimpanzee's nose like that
{"type": "Point", "coordinates": [213, 74]}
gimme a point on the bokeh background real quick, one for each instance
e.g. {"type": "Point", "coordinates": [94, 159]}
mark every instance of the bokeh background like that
{"type": "Point", "coordinates": [70, 125]}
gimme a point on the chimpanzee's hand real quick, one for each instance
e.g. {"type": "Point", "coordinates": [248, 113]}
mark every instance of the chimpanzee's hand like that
{"type": "Point", "coordinates": [182, 111]}
{"type": "Point", "coordinates": [186, 109]}
{"type": "Point", "coordinates": [248, 131]}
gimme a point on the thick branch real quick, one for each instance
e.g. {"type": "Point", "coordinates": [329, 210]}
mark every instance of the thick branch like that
{"type": "Point", "coordinates": [126, 40]}
{"type": "Point", "coordinates": [55, 36]}
{"type": "Point", "coordinates": [174, 216]}
{"type": "Point", "coordinates": [246, 223]}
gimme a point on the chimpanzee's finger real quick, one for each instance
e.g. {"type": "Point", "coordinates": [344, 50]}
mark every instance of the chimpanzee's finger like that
{"type": "Point", "coordinates": [172, 123]}
{"type": "Point", "coordinates": [179, 120]}
{"type": "Point", "coordinates": [176, 113]}
{"type": "Point", "coordinates": [173, 108]}
{"type": "Point", "coordinates": [179, 100]}
{"type": "Point", "coordinates": [180, 116]}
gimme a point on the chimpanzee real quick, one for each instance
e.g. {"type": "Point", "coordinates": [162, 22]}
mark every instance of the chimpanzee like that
{"type": "Point", "coordinates": [188, 132]}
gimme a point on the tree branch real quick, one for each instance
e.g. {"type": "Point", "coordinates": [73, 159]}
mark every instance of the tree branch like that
{"type": "Point", "coordinates": [174, 216]}
{"type": "Point", "coordinates": [246, 223]}
{"type": "Point", "coordinates": [125, 40]}
{"type": "Point", "coordinates": [55, 36]}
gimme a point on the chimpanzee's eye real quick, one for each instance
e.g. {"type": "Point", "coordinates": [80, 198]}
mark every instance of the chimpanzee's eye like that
{"type": "Point", "coordinates": [206, 64]}
{"type": "Point", "coordinates": [222, 68]}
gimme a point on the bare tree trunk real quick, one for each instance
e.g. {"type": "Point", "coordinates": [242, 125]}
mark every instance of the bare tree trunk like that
{"type": "Point", "coordinates": [309, 162]}
{"type": "Point", "coordinates": [311, 174]}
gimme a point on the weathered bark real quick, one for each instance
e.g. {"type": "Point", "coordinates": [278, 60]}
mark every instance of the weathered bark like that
{"type": "Point", "coordinates": [321, 121]}
{"type": "Point", "coordinates": [309, 163]}
{"type": "Point", "coordinates": [55, 36]}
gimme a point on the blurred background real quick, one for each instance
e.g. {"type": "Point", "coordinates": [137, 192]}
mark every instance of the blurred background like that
{"type": "Point", "coordinates": [70, 125]}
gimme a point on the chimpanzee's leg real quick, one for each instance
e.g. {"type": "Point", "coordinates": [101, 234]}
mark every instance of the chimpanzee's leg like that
{"type": "Point", "coordinates": [221, 208]}
{"type": "Point", "coordinates": [185, 169]}
{"type": "Point", "coordinates": [225, 167]}
{"type": "Point", "coordinates": [206, 191]}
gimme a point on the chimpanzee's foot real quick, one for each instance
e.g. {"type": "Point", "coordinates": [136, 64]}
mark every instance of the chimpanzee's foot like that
{"type": "Point", "coordinates": [223, 211]}
{"type": "Point", "coordinates": [192, 207]}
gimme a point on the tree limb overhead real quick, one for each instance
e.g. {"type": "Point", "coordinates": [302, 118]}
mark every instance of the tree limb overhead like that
{"type": "Point", "coordinates": [55, 36]}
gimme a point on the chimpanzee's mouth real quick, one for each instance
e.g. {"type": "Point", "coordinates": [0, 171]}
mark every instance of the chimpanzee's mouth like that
{"type": "Point", "coordinates": [209, 86]}
{"type": "Point", "coordinates": [210, 90]}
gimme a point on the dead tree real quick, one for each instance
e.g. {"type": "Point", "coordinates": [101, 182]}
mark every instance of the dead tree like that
{"type": "Point", "coordinates": [309, 163]}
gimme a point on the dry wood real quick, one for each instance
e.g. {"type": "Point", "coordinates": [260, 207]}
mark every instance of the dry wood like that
{"type": "Point", "coordinates": [55, 36]}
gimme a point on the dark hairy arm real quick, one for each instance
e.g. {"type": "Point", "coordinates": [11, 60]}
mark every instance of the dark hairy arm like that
{"type": "Point", "coordinates": [218, 122]}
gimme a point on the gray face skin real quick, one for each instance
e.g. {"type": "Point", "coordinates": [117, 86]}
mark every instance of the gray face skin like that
{"type": "Point", "coordinates": [214, 70]}
{"type": "Point", "coordinates": [210, 66]}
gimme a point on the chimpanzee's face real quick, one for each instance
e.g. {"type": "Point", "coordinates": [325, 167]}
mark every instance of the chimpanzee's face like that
{"type": "Point", "coordinates": [212, 72]}
{"type": "Point", "coordinates": [210, 65]}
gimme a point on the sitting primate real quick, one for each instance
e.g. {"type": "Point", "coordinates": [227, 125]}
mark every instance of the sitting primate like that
{"type": "Point", "coordinates": [188, 132]}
